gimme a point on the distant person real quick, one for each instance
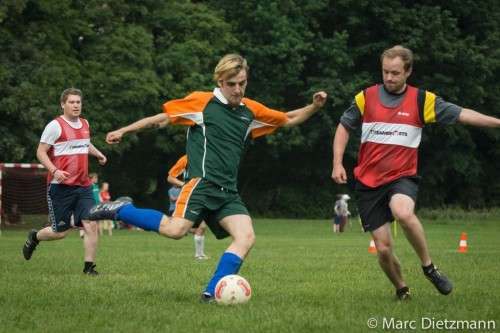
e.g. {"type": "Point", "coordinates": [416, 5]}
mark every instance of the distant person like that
{"type": "Point", "coordinates": [14, 215]}
{"type": "Point", "coordinates": [104, 196]}
{"type": "Point", "coordinates": [220, 123]}
{"type": "Point", "coordinates": [342, 213]}
{"type": "Point", "coordinates": [392, 116]}
{"type": "Point", "coordinates": [178, 170]}
{"type": "Point", "coordinates": [94, 178]}
{"type": "Point", "coordinates": [173, 195]}
{"type": "Point", "coordinates": [63, 150]}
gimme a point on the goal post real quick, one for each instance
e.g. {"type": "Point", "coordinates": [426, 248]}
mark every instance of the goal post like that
{"type": "Point", "coordinates": [23, 194]}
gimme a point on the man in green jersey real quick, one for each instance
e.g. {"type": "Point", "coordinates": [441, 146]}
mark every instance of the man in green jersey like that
{"type": "Point", "coordinates": [219, 124]}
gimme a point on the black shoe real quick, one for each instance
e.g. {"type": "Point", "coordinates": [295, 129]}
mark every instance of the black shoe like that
{"type": "Point", "coordinates": [439, 280]}
{"type": "Point", "coordinates": [90, 271]}
{"type": "Point", "coordinates": [207, 298]}
{"type": "Point", "coordinates": [403, 294]}
{"type": "Point", "coordinates": [30, 245]}
{"type": "Point", "coordinates": [108, 210]}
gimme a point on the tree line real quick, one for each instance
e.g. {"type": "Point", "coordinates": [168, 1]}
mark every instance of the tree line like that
{"type": "Point", "coordinates": [129, 57]}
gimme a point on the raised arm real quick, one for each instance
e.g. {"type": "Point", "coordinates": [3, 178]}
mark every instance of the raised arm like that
{"type": "Point", "coordinates": [339, 143]}
{"type": "Point", "coordinates": [474, 118]}
{"type": "Point", "coordinates": [297, 117]}
{"type": "Point", "coordinates": [159, 120]}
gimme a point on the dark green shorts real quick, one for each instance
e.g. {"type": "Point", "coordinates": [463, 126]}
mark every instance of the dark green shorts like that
{"type": "Point", "coordinates": [201, 200]}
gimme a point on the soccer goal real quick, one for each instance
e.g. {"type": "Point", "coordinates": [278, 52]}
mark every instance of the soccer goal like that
{"type": "Point", "coordinates": [23, 195]}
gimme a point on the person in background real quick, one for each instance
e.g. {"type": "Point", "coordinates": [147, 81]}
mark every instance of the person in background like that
{"type": "Point", "coordinates": [63, 150]}
{"type": "Point", "coordinates": [94, 178]}
{"type": "Point", "coordinates": [176, 172]}
{"type": "Point", "coordinates": [342, 213]}
{"type": "Point", "coordinates": [104, 196]}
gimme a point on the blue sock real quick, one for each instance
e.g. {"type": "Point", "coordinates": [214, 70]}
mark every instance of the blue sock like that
{"type": "Point", "coordinates": [229, 264]}
{"type": "Point", "coordinates": [147, 219]}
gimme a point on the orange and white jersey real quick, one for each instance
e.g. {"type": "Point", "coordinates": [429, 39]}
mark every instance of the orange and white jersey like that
{"type": "Point", "coordinates": [218, 132]}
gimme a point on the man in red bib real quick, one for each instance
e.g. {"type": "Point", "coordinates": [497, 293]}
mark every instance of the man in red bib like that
{"type": "Point", "coordinates": [392, 116]}
{"type": "Point", "coordinates": [64, 148]}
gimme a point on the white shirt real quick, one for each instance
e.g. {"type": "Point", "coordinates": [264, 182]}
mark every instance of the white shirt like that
{"type": "Point", "coordinates": [53, 130]}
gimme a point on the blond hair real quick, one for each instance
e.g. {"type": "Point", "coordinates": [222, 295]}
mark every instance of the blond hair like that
{"type": "Point", "coordinates": [70, 91]}
{"type": "Point", "coordinates": [399, 51]}
{"type": "Point", "coordinates": [229, 66]}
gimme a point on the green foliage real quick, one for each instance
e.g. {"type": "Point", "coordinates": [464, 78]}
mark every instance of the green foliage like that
{"type": "Point", "coordinates": [130, 57]}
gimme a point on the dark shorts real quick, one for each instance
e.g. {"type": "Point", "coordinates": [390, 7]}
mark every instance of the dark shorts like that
{"type": "Point", "coordinates": [373, 203]}
{"type": "Point", "coordinates": [201, 200]}
{"type": "Point", "coordinates": [64, 201]}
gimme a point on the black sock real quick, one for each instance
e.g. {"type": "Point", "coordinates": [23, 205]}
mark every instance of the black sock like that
{"type": "Point", "coordinates": [88, 265]}
{"type": "Point", "coordinates": [34, 238]}
{"type": "Point", "coordinates": [428, 269]}
{"type": "Point", "coordinates": [402, 291]}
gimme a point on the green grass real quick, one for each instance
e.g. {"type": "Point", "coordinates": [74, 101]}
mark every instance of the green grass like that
{"type": "Point", "coordinates": [304, 279]}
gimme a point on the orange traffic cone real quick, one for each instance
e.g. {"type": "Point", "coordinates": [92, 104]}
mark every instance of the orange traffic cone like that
{"type": "Point", "coordinates": [372, 248]}
{"type": "Point", "coordinates": [462, 246]}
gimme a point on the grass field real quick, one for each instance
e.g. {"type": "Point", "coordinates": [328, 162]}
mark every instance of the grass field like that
{"type": "Point", "coordinates": [304, 279]}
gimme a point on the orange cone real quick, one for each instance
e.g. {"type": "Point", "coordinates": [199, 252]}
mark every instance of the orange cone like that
{"type": "Point", "coordinates": [462, 246]}
{"type": "Point", "coordinates": [372, 248]}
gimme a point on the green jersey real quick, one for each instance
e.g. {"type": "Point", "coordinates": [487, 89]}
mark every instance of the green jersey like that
{"type": "Point", "coordinates": [218, 132]}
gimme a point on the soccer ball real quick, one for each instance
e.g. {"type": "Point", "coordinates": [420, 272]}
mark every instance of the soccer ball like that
{"type": "Point", "coordinates": [232, 289]}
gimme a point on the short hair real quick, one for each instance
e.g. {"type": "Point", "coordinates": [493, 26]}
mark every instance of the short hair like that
{"type": "Point", "coordinates": [399, 51]}
{"type": "Point", "coordinates": [93, 175]}
{"type": "Point", "coordinates": [229, 66]}
{"type": "Point", "coordinates": [70, 91]}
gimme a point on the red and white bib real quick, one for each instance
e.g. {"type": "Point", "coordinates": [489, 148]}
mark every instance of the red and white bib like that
{"type": "Point", "coordinates": [389, 140]}
{"type": "Point", "coordinates": [70, 152]}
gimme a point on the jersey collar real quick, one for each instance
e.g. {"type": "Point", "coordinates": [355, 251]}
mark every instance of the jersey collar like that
{"type": "Point", "coordinates": [218, 94]}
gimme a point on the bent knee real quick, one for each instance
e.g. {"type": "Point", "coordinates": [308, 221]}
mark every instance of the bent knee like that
{"type": "Point", "coordinates": [61, 234]}
{"type": "Point", "coordinates": [384, 249]}
{"type": "Point", "coordinates": [403, 214]}
{"type": "Point", "coordinates": [176, 234]}
{"type": "Point", "coordinates": [246, 240]}
{"type": "Point", "coordinates": [176, 231]}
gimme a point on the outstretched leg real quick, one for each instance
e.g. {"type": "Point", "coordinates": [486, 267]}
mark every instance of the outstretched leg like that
{"type": "Point", "coordinates": [147, 219]}
{"type": "Point", "coordinates": [35, 237]}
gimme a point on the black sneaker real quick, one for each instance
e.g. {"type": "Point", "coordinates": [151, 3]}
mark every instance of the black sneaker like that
{"type": "Point", "coordinates": [403, 294]}
{"type": "Point", "coordinates": [90, 271]}
{"type": "Point", "coordinates": [108, 210]}
{"type": "Point", "coordinates": [439, 280]}
{"type": "Point", "coordinates": [30, 245]}
{"type": "Point", "coordinates": [207, 298]}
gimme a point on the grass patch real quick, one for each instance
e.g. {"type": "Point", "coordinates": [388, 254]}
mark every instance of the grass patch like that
{"type": "Point", "coordinates": [304, 279]}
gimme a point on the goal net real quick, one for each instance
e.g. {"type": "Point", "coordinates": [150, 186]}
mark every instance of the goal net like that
{"type": "Point", "coordinates": [23, 195]}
